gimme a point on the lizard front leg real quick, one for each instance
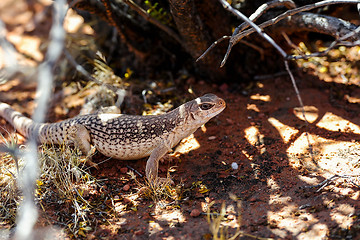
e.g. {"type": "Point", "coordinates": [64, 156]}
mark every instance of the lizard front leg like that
{"type": "Point", "coordinates": [152, 164]}
{"type": "Point", "coordinates": [80, 137]}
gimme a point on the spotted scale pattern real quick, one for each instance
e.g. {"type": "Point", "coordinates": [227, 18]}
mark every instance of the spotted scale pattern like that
{"type": "Point", "coordinates": [127, 136]}
{"type": "Point", "coordinates": [114, 135]}
{"type": "Point", "coordinates": [122, 136]}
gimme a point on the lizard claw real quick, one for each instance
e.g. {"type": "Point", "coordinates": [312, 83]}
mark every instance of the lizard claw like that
{"type": "Point", "coordinates": [87, 161]}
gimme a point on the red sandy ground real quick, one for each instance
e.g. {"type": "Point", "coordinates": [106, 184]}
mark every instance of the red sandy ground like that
{"type": "Point", "coordinates": [264, 135]}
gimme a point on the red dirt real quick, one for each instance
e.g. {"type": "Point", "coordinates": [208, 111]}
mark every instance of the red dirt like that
{"type": "Point", "coordinates": [266, 139]}
{"type": "Point", "coordinates": [260, 131]}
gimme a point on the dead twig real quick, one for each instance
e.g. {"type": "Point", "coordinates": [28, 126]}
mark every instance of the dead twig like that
{"type": "Point", "coordinates": [337, 42]}
{"type": "Point", "coordinates": [301, 105]}
{"type": "Point", "coordinates": [240, 33]}
{"type": "Point", "coordinates": [212, 46]}
{"type": "Point", "coordinates": [82, 70]}
{"type": "Point", "coordinates": [333, 178]}
{"type": "Point", "coordinates": [237, 13]}
{"type": "Point", "coordinates": [234, 40]}
{"type": "Point", "coordinates": [27, 180]}
{"type": "Point", "coordinates": [260, 11]}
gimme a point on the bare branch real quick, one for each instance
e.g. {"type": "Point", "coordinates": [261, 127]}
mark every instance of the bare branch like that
{"type": "Point", "coordinates": [262, 9]}
{"type": "Point", "coordinates": [333, 178]}
{"type": "Point", "coordinates": [82, 70]}
{"type": "Point", "coordinates": [27, 214]}
{"type": "Point", "coordinates": [254, 26]}
{"type": "Point", "coordinates": [212, 46]}
{"type": "Point", "coordinates": [326, 25]}
{"type": "Point", "coordinates": [234, 40]}
{"type": "Point", "coordinates": [323, 24]}
{"type": "Point", "coordinates": [301, 104]}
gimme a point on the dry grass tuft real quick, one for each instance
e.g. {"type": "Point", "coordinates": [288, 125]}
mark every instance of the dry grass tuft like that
{"type": "Point", "coordinates": [216, 223]}
{"type": "Point", "coordinates": [9, 172]}
{"type": "Point", "coordinates": [163, 191]}
{"type": "Point", "coordinates": [64, 180]}
{"type": "Point", "coordinates": [64, 183]}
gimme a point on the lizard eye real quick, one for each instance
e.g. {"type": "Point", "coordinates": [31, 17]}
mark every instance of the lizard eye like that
{"type": "Point", "coordinates": [206, 106]}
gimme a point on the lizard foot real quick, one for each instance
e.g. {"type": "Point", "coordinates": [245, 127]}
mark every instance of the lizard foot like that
{"type": "Point", "coordinates": [164, 182]}
{"type": "Point", "coordinates": [88, 159]}
{"type": "Point", "coordinates": [88, 162]}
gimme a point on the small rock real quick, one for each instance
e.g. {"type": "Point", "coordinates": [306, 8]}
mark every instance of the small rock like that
{"type": "Point", "coordinates": [139, 232]}
{"type": "Point", "coordinates": [124, 170]}
{"type": "Point", "coordinates": [212, 138]}
{"type": "Point", "coordinates": [195, 213]}
{"type": "Point", "coordinates": [253, 199]}
{"type": "Point", "coordinates": [234, 165]}
{"type": "Point", "coordinates": [126, 187]}
{"type": "Point", "coordinates": [230, 217]}
{"type": "Point", "coordinates": [229, 121]}
{"type": "Point", "coordinates": [144, 191]}
{"type": "Point", "coordinates": [127, 200]}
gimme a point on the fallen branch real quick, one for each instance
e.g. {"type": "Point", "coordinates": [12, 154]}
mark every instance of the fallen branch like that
{"type": "Point", "coordinates": [347, 30]}
{"type": "Point", "coordinates": [333, 178]}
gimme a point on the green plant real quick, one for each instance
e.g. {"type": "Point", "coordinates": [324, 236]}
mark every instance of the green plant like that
{"type": "Point", "coordinates": [158, 13]}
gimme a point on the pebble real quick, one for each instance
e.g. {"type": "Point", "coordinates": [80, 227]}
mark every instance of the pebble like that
{"type": "Point", "coordinates": [124, 170]}
{"type": "Point", "coordinates": [212, 138]}
{"type": "Point", "coordinates": [253, 199]}
{"type": "Point", "coordinates": [195, 213]}
{"type": "Point", "coordinates": [234, 165]}
{"type": "Point", "coordinates": [139, 232]}
{"type": "Point", "coordinates": [229, 121]}
{"type": "Point", "coordinates": [126, 187]}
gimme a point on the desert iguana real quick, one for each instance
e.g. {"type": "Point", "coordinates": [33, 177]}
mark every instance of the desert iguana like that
{"type": "Point", "coordinates": [121, 136]}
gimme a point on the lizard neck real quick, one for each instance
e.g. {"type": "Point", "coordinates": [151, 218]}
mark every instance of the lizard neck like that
{"type": "Point", "coordinates": [183, 122]}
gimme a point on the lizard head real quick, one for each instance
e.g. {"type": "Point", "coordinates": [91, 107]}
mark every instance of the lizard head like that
{"type": "Point", "coordinates": [202, 109]}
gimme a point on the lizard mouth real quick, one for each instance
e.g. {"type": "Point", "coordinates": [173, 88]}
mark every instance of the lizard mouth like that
{"type": "Point", "coordinates": [219, 107]}
{"type": "Point", "coordinates": [222, 103]}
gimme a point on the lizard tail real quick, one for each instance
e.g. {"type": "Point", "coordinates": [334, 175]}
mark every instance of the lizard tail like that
{"type": "Point", "coordinates": [24, 125]}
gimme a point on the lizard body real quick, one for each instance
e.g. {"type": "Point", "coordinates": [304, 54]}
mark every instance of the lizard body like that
{"type": "Point", "coordinates": [121, 136]}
